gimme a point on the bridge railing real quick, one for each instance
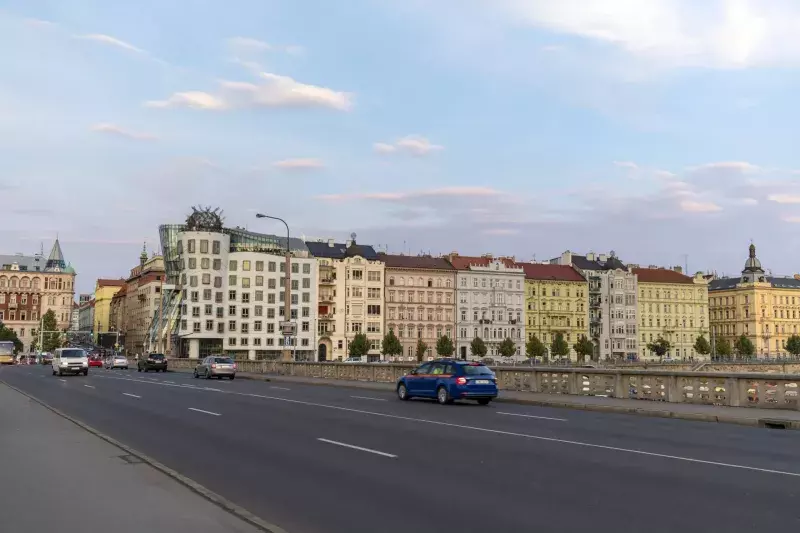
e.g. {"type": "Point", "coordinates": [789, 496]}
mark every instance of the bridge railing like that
{"type": "Point", "coordinates": [764, 390]}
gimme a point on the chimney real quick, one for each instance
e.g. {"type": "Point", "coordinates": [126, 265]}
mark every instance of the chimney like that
{"type": "Point", "coordinates": [602, 258]}
{"type": "Point", "coordinates": [678, 269]}
{"type": "Point", "coordinates": [330, 243]}
{"type": "Point", "coordinates": [590, 256]}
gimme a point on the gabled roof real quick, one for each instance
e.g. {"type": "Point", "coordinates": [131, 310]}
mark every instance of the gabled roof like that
{"type": "Point", "coordinates": [338, 250]}
{"type": "Point", "coordinates": [411, 261]}
{"type": "Point", "coordinates": [55, 262]}
{"type": "Point", "coordinates": [661, 275]}
{"type": "Point", "coordinates": [551, 272]}
{"type": "Point", "coordinates": [463, 262]}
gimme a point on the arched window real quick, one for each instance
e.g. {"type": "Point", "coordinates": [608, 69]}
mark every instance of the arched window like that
{"type": "Point", "coordinates": [391, 280]}
{"type": "Point", "coordinates": [14, 282]}
{"type": "Point", "coordinates": [410, 282]}
{"type": "Point", "coordinates": [447, 283]}
{"type": "Point", "coordinates": [36, 284]}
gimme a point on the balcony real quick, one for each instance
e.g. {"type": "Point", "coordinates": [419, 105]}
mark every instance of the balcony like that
{"type": "Point", "coordinates": [328, 316]}
{"type": "Point", "coordinates": [484, 321]}
{"type": "Point", "coordinates": [12, 305]}
{"type": "Point", "coordinates": [327, 281]}
{"type": "Point", "coordinates": [512, 320]}
{"type": "Point", "coordinates": [326, 298]}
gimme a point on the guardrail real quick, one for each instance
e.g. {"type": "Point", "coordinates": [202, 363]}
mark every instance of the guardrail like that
{"type": "Point", "coordinates": [764, 390]}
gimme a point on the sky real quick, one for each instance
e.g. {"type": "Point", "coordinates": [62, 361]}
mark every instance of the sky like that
{"type": "Point", "coordinates": [664, 130]}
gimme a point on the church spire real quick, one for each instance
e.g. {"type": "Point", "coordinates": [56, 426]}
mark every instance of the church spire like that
{"type": "Point", "coordinates": [143, 255]}
{"type": "Point", "coordinates": [55, 262]}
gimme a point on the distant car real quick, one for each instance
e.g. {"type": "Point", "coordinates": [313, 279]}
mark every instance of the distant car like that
{"type": "Point", "coordinates": [448, 380]}
{"type": "Point", "coordinates": [353, 360]}
{"type": "Point", "coordinates": [216, 366]}
{"type": "Point", "coordinates": [95, 361]}
{"type": "Point", "coordinates": [46, 359]}
{"type": "Point", "coordinates": [117, 361]}
{"type": "Point", "coordinates": [153, 361]}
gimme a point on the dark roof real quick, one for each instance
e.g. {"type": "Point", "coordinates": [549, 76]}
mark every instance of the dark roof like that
{"type": "Point", "coordinates": [27, 263]}
{"type": "Point", "coordinates": [338, 250]}
{"type": "Point", "coordinates": [661, 275]}
{"type": "Point", "coordinates": [722, 284]}
{"type": "Point", "coordinates": [463, 262]}
{"type": "Point", "coordinates": [411, 261]}
{"type": "Point", "coordinates": [611, 263]}
{"type": "Point", "coordinates": [551, 272]}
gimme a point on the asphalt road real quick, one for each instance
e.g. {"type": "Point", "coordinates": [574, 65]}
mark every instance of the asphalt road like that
{"type": "Point", "coordinates": [315, 459]}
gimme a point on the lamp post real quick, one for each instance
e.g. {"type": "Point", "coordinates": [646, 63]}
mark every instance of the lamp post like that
{"type": "Point", "coordinates": [287, 289]}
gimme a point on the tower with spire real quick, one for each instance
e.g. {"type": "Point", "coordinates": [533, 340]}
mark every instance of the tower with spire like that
{"type": "Point", "coordinates": [143, 255]}
{"type": "Point", "coordinates": [753, 272]}
{"type": "Point", "coordinates": [55, 261]}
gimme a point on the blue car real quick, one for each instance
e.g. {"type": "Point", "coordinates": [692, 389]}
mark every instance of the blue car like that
{"type": "Point", "coordinates": [448, 380]}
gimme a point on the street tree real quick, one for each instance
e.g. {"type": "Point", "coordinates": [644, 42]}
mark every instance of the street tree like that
{"type": "Point", "coordinates": [444, 346]}
{"type": "Point", "coordinates": [422, 349]}
{"type": "Point", "coordinates": [793, 345]}
{"type": "Point", "coordinates": [660, 346]}
{"type": "Point", "coordinates": [391, 345]}
{"type": "Point", "coordinates": [8, 334]}
{"type": "Point", "coordinates": [50, 335]}
{"type": "Point", "coordinates": [583, 348]}
{"type": "Point", "coordinates": [535, 348]}
{"type": "Point", "coordinates": [359, 346]}
{"type": "Point", "coordinates": [478, 347]}
{"type": "Point", "coordinates": [559, 347]}
{"type": "Point", "coordinates": [702, 346]}
{"type": "Point", "coordinates": [744, 346]}
{"type": "Point", "coordinates": [723, 347]}
{"type": "Point", "coordinates": [507, 348]}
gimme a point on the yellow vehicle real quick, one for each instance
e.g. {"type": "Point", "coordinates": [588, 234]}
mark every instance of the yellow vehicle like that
{"type": "Point", "coordinates": [6, 353]}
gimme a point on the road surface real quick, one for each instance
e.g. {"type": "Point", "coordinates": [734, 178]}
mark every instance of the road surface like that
{"type": "Point", "coordinates": [315, 459]}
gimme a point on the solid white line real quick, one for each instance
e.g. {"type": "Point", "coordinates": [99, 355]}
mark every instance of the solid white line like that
{"type": "Point", "coordinates": [279, 388]}
{"type": "Point", "coordinates": [499, 432]}
{"type": "Point", "coordinates": [89, 386]}
{"type": "Point", "coordinates": [376, 452]}
{"type": "Point", "coordinates": [131, 395]}
{"type": "Point", "coordinates": [368, 398]}
{"type": "Point", "coordinates": [62, 380]}
{"type": "Point", "coordinates": [532, 416]}
{"type": "Point", "coordinates": [202, 411]}
{"type": "Point", "coordinates": [169, 382]}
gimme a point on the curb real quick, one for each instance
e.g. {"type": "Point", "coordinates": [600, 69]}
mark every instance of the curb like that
{"type": "Point", "coordinates": [195, 487]}
{"type": "Point", "coordinates": [772, 423]}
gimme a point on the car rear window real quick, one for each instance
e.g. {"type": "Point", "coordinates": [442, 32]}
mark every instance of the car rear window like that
{"type": "Point", "coordinates": [477, 370]}
{"type": "Point", "coordinates": [223, 360]}
{"type": "Point", "coordinates": [157, 356]}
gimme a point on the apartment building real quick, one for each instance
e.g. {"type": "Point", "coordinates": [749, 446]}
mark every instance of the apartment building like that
{"type": "Point", "coordinates": [672, 306]}
{"type": "Point", "coordinates": [557, 301]}
{"type": "Point", "coordinates": [351, 297]}
{"type": "Point", "coordinates": [420, 301]}
{"type": "Point", "coordinates": [613, 306]}
{"type": "Point", "coordinates": [490, 296]}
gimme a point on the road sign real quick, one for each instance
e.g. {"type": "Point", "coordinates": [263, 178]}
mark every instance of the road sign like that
{"type": "Point", "coordinates": [289, 328]}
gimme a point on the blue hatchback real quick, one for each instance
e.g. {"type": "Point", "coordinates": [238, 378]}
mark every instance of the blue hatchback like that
{"type": "Point", "coordinates": [448, 380]}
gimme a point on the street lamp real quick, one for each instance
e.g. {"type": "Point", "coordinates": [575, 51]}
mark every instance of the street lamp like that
{"type": "Point", "coordinates": [287, 289]}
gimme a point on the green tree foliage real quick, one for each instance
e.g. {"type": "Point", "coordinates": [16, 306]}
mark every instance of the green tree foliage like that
{"type": "Point", "coordinates": [535, 348]}
{"type": "Point", "coordinates": [478, 347]}
{"type": "Point", "coordinates": [359, 346]}
{"type": "Point", "coordinates": [702, 346]}
{"type": "Point", "coordinates": [793, 345]}
{"type": "Point", "coordinates": [7, 334]}
{"type": "Point", "coordinates": [391, 345]}
{"type": "Point", "coordinates": [50, 338]}
{"type": "Point", "coordinates": [422, 348]}
{"type": "Point", "coordinates": [744, 346]}
{"type": "Point", "coordinates": [583, 348]}
{"type": "Point", "coordinates": [507, 348]}
{"type": "Point", "coordinates": [660, 346]}
{"type": "Point", "coordinates": [723, 347]}
{"type": "Point", "coordinates": [559, 346]}
{"type": "Point", "coordinates": [444, 346]}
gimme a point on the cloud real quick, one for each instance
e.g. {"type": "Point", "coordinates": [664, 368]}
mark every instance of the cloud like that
{"type": "Point", "coordinates": [112, 129]}
{"type": "Point", "coordinates": [247, 43]}
{"type": "Point", "coordinates": [299, 164]}
{"type": "Point", "coordinates": [501, 231]}
{"type": "Point", "coordinates": [784, 198]}
{"type": "Point", "coordinates": [413, 144]}
{"type": "Point", "coordinates": [691, 206]}
{"type": "Point", "coordinates": [626, 164]}
{"type": "Point", "coordinates": [444, 192]}
{"type": "Point", "coordinates": [111, 41]}
{"type": "Point", "coordinates": [726, 34]}
{"type": "Point", "coordinates": [792, 219]}
{"type": "Point", "coordinates": [273, 91]}
{"type": "Point", "coordinates": [39, 23]}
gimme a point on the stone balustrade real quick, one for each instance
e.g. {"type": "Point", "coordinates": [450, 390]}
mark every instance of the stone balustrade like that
{"type": "Point", "coordinates": [764, 390]}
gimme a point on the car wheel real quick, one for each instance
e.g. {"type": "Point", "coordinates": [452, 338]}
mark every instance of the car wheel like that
{"type": "Point", "coordinates": [484, 401]}
{"type": "Point", "coordinates": [60, 373]}
{"type": "Point", "coordinates": [54, 372]}
{"type": "Point", "coordinates": [442, 395]}
{"type": "Point", "coordinates": [402, 392]}
{"type": "Point", "coordinates": [139, 369]}
{"type": "Point", "coordinates": [194, 374]}
{"type": "Point", "coordinates": [85, 372]}
{"type": "Point", "coordinates": [232, 377]}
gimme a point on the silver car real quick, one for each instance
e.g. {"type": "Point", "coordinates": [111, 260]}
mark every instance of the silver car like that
{"type": "Point", "coordinates": [117, 361]}
{"type": "Point", "coordinates": [216, 366]}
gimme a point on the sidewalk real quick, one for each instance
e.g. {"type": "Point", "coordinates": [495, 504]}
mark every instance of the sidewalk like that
{"type": "Point", "coordinates": [56, 476]}
{"type": "Point", "coordinates": [746, 416]}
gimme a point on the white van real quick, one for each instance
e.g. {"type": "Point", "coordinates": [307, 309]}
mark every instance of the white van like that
{"type": "Point", "coordinates": [70, 361]}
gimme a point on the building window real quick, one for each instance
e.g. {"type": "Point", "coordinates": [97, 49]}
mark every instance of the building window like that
{"type": "Point", "coordinates": [306, 268]}
{"type": "Point", "coordinates": [270, 327]}
{"type": "Point", "coordinates": [209, 325]}
{"type": "Point", "coordinates": [306, 283]}
{"type": "Point", "coordinates": [190, 246]}
{"type": "Point", "coordinates": [217, 264]}
{"type": "Point", "coordinates": [192, 263]}
{"type": "Point", "coordinates": [209, 309]}
{"type": "Point", "coordinates": [259, 296]}
{"type": "Point", "coordinates": [245, 328]}
{"type": "Point", "coordinates": [271, 283]}
{"type": "Point", "coordinates": [357, 274]}
{"type": "Point", "coordinates": [259, 281]}
{"type": "Point", "coordinates": [245, 312]}
{"type": "Point", "coordinates": [231, 325]}
{"type": "Point", "coordinates": [219, 312]}
{"type": "Point", "coordinates": [245, 283]}
{"type": "Point", "coordinates": [203, 246]}
{"type": "Point", "coordinates": [196, 327]}
{"type": "Point", "coordinates": [232, 295]}
{"type": "Point", "coordinates": [206, 279]}
{"type": "Point", "coordinates": [258, 310]}
{"type": "Point", "coordinates": [271, 266]}
{"type": "Point", "coordinates": [372, 275]}
{"type": "Point", "coordinates": [232, 341]}
{"type": "Point", "coordinates": [220, 328]}
{"type": "Point", "coordinates": [232, 281]}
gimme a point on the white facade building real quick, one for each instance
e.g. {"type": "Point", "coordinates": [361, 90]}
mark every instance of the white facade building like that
{"type": "Point", "coordinates": [232, 298]}
{"type": "Point", "coordinates": [490, 295]}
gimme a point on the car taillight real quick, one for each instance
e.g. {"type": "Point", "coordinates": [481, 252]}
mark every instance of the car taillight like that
{"type": "Point", "coordinates": [461, 381]}
{"type": "Point", "coordinates": [234, 366]}
{"type": "Point", "coordinates": [214, 365]}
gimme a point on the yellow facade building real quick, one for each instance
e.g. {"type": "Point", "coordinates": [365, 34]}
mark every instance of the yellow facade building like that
{"type": "Point", "coordinates": [557, 301]}
{"type": "Point", "coordinates": [104, 292]}
{"type": "Point", "coordinates": [764, 308]}
{"type": "Point", "coordinates": [672, 306]}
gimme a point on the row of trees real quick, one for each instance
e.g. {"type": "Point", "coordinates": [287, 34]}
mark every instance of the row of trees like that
{"type": "Point", "coordinates": [742, 346]}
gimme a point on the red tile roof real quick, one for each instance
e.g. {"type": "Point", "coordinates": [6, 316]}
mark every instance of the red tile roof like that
{"type": "Point", "coordinates": [661, 275]}
{"type": "Point", "coordinates": [110, 282]}
{"type": "Point", "coordinates": [551, 272]}
{"type": "Point", "coordinates": [463, 262]}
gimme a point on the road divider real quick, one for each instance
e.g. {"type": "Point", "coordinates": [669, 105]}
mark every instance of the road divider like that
{"type": "Point", "coordinates": [204, 411]}
{"type": "Point", "coordinates": [359, 448]}
{"type": "Point", "coordinates": [131, 395]}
